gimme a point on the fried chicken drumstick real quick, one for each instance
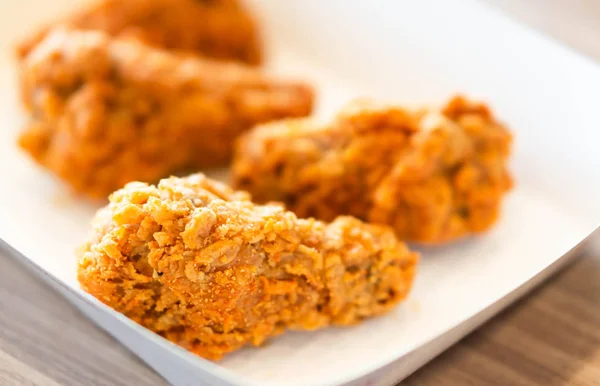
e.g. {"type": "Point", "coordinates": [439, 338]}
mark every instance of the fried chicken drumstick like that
{"type": "Point", "coordinates": [220, 29]}
{"type": "Point", "coordinates": [434, 175]}
{"type": "Point", "coordinates": [105, 111]}
{"type": "Point", "coordinates": [203, 266]}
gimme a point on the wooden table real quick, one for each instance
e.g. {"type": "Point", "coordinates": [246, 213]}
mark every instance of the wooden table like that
{"type": "Point", "coordinates": [552, 337]}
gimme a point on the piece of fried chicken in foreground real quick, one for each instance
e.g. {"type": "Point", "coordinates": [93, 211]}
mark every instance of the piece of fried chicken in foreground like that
{"type": "Point", "coordinates": [203, 266]}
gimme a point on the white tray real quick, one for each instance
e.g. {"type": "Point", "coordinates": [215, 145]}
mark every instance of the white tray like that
{"type": "Point", "coordinates": [400, 51]}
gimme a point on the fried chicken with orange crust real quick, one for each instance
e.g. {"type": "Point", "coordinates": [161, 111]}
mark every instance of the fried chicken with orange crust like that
{"type": "Point", "coordinates": [106, 111]}
{"type": "Point", "coordinates": [201, 265]}
{"type": "Point", "coordinates": [433, 174]}
{"type": "Point", "coordinates": [220, 29]}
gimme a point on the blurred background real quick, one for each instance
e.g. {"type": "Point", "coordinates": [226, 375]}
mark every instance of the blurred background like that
{"type": "Point", "coordinates": [28, 305]}
{"type": "Point", "coordinates": [574, 22]}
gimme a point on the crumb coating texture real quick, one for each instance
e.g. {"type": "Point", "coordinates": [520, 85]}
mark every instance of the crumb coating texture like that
{"type": "Point", "coordinates": [434, 175]}
{"type": "Point", "coordinates": [220, 29]}
{"type": "Point", "coordinates": [105, 111]}
{"type": "Point", "coordinates": [203, 266]}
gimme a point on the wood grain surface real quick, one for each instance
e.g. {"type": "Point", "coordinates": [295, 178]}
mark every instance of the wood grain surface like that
{"type": "Point", "coordinates": [552, 337]}
{"type": "Point", "coordinates": [35, 350]}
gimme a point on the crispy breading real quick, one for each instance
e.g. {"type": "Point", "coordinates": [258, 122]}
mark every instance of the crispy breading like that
{"type": "Point", "coordinates": [203, 266]}
{"type": "Point", "coordinates": [221, 29]}
{"type": "Point", "coordinates": [105, 111]}
{"type": "Point", "coordinates": [433, 174]}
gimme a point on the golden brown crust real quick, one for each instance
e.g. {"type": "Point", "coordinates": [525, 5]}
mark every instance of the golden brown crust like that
{"type": "Point", "coordinates": [220, 29]}
{"type": "Point", "coordinates": [108, 111]}
{"type": "Point", "coordinates": [434, 175]}
{"type": "Point", "coordinates": [205, 267]}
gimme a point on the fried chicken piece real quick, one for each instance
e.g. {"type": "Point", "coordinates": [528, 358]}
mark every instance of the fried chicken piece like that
{"type": "Point", "coordinates": [203, 266]}
{"type": "Point", "coordinates": [434, 175]}
{"type": "Point", "coordinates": [220, 29]}
{"type": "Point", "coordinates": [107, 111]}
